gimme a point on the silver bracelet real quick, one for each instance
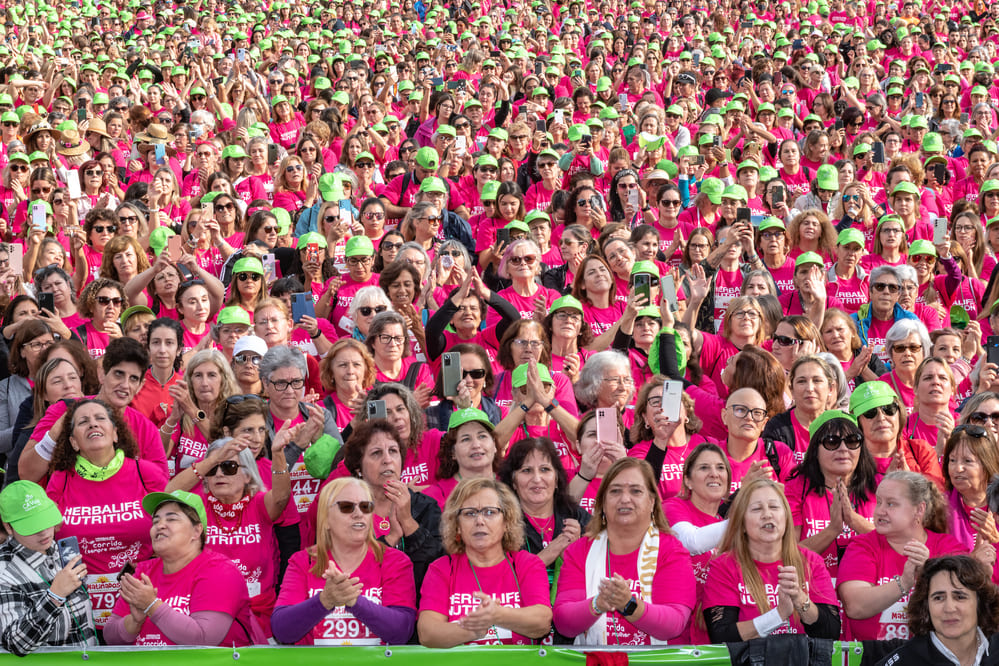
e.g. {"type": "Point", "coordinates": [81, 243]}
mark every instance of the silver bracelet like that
{"type": "Point", "coordinates": [153, 603]}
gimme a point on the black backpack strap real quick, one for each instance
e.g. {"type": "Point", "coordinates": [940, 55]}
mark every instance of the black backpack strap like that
{"type": "Point", "coordinates": [81, 331]}
{"type": "Point", "coordinates": [771, 453]}
{"type": "Point", "coordinates": [407, 178]}
{"type": "Point", "coordinates": [409, 381]}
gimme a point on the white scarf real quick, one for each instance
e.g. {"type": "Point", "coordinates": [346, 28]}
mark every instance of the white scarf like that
{"type": "Point", "coordinates": [596, 570]}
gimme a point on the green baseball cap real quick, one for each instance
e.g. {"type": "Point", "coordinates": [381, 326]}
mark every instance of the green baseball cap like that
{"type": "Point", "coordinates": [153, 501]}
{"type": "Point", "coordinates": [922, 246]}
{"type": "Point", "coordinates": [248, 265]}
{"type": "Point", "coordinates": [158, 239]}
{"type": "Point", "coordinates": [906, 186]}
{"type": "Point", "coordinates": [519, 377]}
{"type": "Point", "coordinates": [535, 215]}
{"type": "Point", "coordinates": [932, 143]}
{"type": "Point", "coordinates": [359, 246]}
{"type": "Point", "coordinates": [772, 223]}
{"type": "Point", "coordinates": [428, 158]}
{"type": "Point", "coordinates": [460, 417]}
{"type": "Point", "coordinates": [490, 189]}
{"type": "Point", "coordinates": [737, 192]}
{"type": "Point", "coordinates": [851, 235]}
{"type": "Point", "coordinates": [433, 184]}
{"type": "Point", "coordinates": [133, 310]}
{"type": "Point", "coordinates": [827, 178]}
{"type": "Point", "coordinates": [234, 315]}
{"type": "Point", "coordinates": [645, 267]}
{"type": "Point", "coordinates": [568, 301]}
{"type": "Point", "coordinates": [27, 508]}
{"type": "Point", "coordinates": [869, 395]}
{"type": "Point", "coordinates": [827, 416]}
{"type": "Point", "coordinates": [712, 188]}
{"type": "Point", "coordinates": [806, 258]}
{"type": "Point", "coordinates": [312, 237]}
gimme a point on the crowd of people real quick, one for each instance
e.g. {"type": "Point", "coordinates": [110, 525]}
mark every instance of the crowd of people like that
{"type": "Point", "coordinates": [601, 323]}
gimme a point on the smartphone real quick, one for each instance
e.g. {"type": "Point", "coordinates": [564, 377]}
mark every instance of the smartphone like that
{"type": "Point", "coordinates": [207, 211]}
{"type": "Point", "coordinates": [17, 264]}
{"type": "Point", "coordinates": [839, 124]}
{"type": "Point", "coordinates": [453, 85]}
{"type": "Point", "coordinates": [716, 141]}
{"type": "Point", "coordinates": [743, 215]}
{"type": "Point", "coordinates": [129, 569]}
{"type": "Point", "coordinates": [494, 54]}
{"type": "Point", "coordinates": [558, 116]}
{"type": "Point", "coordinates": [622, 99]}
{"type": "Point", "coordinates": [798, 44]}
{"type": "Point", "coordinates": [461, 144]}
{"type": "Point", "coordinates": [73, 184]}
{"type": "Point", "coordinates": [940, 231]}
{"type": "Point", "coordinates": [46, 301]}
{"type": "Point", "coordinates": [940, 173]}
{"type": "Point", "coordinates": [312, 252]}
{"type": "Point", "coordinates": [437, 81]}
{"type": "Point", "coordinates": [778, 195]}
{"type": "Point", "coordinates": [672, 399]}
{"type": "Point", "coordinates": [81, 115]}
{"type": "Point", "coordinates": [270, 266]}
{"type": "Point", "coordinates": [697, 58]}
{"type": "Point", "coordinates": [585, 141]}
{"type": "Point", "coordinates": [450, 373]}
{"type": "Point", "coordinates": [38, 221]}
{"type": "Point", "coordinates": [964, 118]}
{"type": "Point", "coordinates": [217, 81]}
{"type": "Point", "coordinates": [668, 288]}
{"type": "Point", "coordinates": [642, 286]}
{"type": "Point", "coordinates": [160, 153]}
{"type": "Point", "coordinates": [992, 349]}
{"type": "Point", "coordinates": [607, 430]}
{"type": "Point", "coordinates": [272, 153]}
{"type": "Point", "coordinates": [176, 247]}
{"type": "Point", "coordinates": [633, 199]}
{"type": "Point", "coordinates": [878, 152]}
{"type": "Point", "coordinates": [376, 409]}
{"type": "Point", "coordinates": [597, 202]}
{"type": "Point", "coordinates": [447, 262]}
{"type": "Point", "coordinates": [503, 236]}
{"type": "Point", "coordinates": [241, 55]}
{"type": "Point", "coordinates": [919, 100]}
{"type": "Point", "coordinates": [346, 212]}
{"type": "Point", "coordinates": [68, 548]}
{"type": "Point", "coordinates": [541, 126]}
{"type": "Point", "coordinates": [746, 25]}
{"type": "Point", "coordinates": [698, 160]}
{"type": "Point", "coordinates": [302, 306]}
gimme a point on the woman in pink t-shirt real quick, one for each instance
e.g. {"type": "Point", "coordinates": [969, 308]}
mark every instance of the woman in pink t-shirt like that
{"type": "Point", "coordinates": [595, 288]}
{"type": "Point", "coordinates": [103, 301]}
{"type": "Point", "coordinates": [831, 493]}
{"type": "Point", "coordinates": [468, 450]}
{"type": "Point", "coordinates": [970, 462]}
{"type": "Point", "coordinates": [521, 263]}
{"type": "Point", "coordinates": [763, 582]}
{"type": "Point", "coordinates": [630, 581]}
{"type": "Point", "coordinates": [879, 568]}
{"type": "Point", "coordinates": [348, 589]}
{"type": "Point", "coordinates": [932, 418]}
{"type": "Point", "coordinates": [388, 342]}
{"type": "Point", "coordinates": [186, 595]}
{"type": "Point", "coordinates": [486, 591]}
{"type": "Point", "coordinates": [98, 483]}
{"type": "Point", "coordinates": [596, 458]}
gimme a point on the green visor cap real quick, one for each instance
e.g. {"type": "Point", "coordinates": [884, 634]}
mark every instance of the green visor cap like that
{"type": "Point", "coordinates": [806, 258]}
{"type": "Point", "coordinates": [566, 302]}
{"type": "Point", "coordinates": [460, 417]}
{"type": "Point", "coordinates": [869, 395]}
{"type": "Point", "coordinates": [848, 236]}
{"type": "Point", "coordinates": [519, 377]}
{"type": "Point", "coordinates": [645, 267]}
{"type": "Point", "coordinates": [248, 265]}
{"type": "Point", "coordinates": [153, 501]}
{"type": "Point", "coordinates": [827, 416]}
{"type": "Point", "coordinates": [922, 246]}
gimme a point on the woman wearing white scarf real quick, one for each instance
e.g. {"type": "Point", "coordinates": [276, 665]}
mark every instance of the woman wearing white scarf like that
{"type": "Point", "coordinates": [630, 582]}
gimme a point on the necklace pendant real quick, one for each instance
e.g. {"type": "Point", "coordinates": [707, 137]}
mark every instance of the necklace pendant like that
{"type": "Point", "coordinates": [384, 525]}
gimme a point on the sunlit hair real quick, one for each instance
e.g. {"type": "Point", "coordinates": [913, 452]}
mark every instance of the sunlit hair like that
{"type": "Point", "coordinates": [513, 520]}
{"type": "Point", "coordinates": [736, 541]}
{"type": "Point", "coordinates": [117, 245]}
{"type": "Point", "coordinates": [228, 385]}
{"type": "Point", "coordinates": [658, 518]}
{"type": "Point", "coordinates": [324, 540]}
{"type": "Point", "coordinates": [341, 345]}
{"type": "Point", "coordinates": [739, 304]}
{"type": "Point", "coordinates": [923, 491]}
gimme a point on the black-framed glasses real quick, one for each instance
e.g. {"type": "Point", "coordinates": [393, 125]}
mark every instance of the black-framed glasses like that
{"type": "Point", "coordinates": [282, 385]}
{"type": "Point", "coordinates": [108, 300]}
{"type": "Point", "coordinates": [101, 228]}
{"type": "Point", "coordinates": [128, 219]}
{"type": "Point", "coordinates": [891, 409]}
{"type": "Point", "coordinates": [228, 467]}
{"type": "Point", "coordinates": [980, 418]}
{"type": "Point", "coordinates": [786, 341]}
{"type": "Point", "coordinates": [885, 286]}
{"type": "Point", "coordinates": [833, 442]}
{"type": "Point", "coordinates": [757, 415]}
{"type": "Point", "coordinates": [243, 277]}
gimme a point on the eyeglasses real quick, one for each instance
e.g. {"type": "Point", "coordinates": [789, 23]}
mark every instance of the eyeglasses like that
{"type": "Point", "coordinates": [294, 167]}
{"type": "Point", "coordinates": [584, 203]}
{"type": "Point", "coordinates": [385, 245]}
{"type": "Point", "coordinates": [975, 431]}
{"type": "Point", "coordinates": [10, 123]}
{"type": "Point", "coordinates": [670, 202]}
{"type": "Point", "coordinates": [885, 286]}
{"type": "Point", "coordinates": [982, 417]}
{"type": "Point", "coordinates": [282, 385]}
{"type": "Point", "coordinates": [38, 345]}
{"type": "Point", "coordinates": [347, 508]}
{"type": "Point", "coordinates": [391, 339]}
{"type": "Point", "coordinates": [833, 442]}
{"type": "Point", "coordinates": [100, 228]}
{"type": "Point", "coordinates": [243, 277]}
{"type": "Point", "coordinates": [243, 359]}
{"type": "Point", "coordinates": [616, 381]}
{"type": "Point", "coordinates": [359, 261]}
{"type": "Point", "coordinates": [270, 230]}
{"type": "Point", "coordinates": [23, 168]}
{"type": "Point", "coordinates": [900, 348]}
{"type": "Point", "coordinates": [228, 467]}
{"type": "Point", "coordinates": [374, 216]}
{"type": "Point", "coordinates": [922, 258]}
{"type": "Point", "coordinates": [487, 512]}
{"type": "Point", "coordinates": [59, 202]}
{"type": "Point", "coordinates": [785, 341]}
{"type": "Point", "coordinates": [742, 411]}
{"type": "Point", "coordinates": [109, 300]}
{"type": "Point", "coordinates": [41, 191]}
{"type": "Point", "coordinates": [527, 260]}
{"type": "Point", "coordinates": [478, 373]}
{"type": "Point", "coordinates": [93, 172]}
{"type": "Point", "coordinates": [891, 409]}
{"type": "Point", "coordinates": [366, 311]}
{"type": "Point", "coordinates": [746, 314]}
{"type": "Point", "coordinates": [533, 344]}
{"type": "Point", "coordinates": [432, 219]}
{"type": "Point", "coordinates": [851, 197]}
{"type": "Point", "coordinates": [568, 316]}
{"type": "Point", "coordinates": [364, 165]}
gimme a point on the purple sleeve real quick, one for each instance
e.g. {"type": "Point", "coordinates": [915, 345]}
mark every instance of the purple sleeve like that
{"type": "Point", "coordinates": [114, 631]}
{"type": "Point", "coordinates": [292, 623]}
{"type": "Point", "coordinates": [200, 628]}
{"type": "Point", "coordinates": [664, 621]}
{"type": "Point", "coordinates": [393, 624]}
{"type": "Point", "coordinates": [952, 274]}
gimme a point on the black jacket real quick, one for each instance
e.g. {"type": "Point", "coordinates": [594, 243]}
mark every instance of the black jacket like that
{"type": "Point", "coordinates": [918, 651]}
{"type": "Point", "coordinates": [424, 545]}
{"type": "Point", "coordinates": [780, 429]}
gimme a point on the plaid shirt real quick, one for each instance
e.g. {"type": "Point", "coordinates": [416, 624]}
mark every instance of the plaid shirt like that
{"type": "Point", "coordinates": [29, 617]}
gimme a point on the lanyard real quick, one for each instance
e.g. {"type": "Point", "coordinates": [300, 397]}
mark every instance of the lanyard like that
{"type": "Point", "coordinates": [512, 570]}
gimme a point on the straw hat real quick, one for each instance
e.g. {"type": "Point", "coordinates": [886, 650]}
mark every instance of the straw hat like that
{"type": "Point", "coordinates": [70, 144]}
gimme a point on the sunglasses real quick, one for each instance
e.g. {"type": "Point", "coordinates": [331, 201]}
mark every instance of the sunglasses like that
{"type": "Point", "coordinates": [294, 167]}
{"type": "Point", "coordinates": [93, 172]}
{"type": "Point", "coordinates": [884, 286]}
{"type": "Point", "coordinates": [347, 508]}
{"type": "Point", "coordinates": [99, 228]}
{"type": "Point", "coordinates": [786, 341]}
{"type": "Point", "coordinates": [912, 349]}
{"type": "Point", "coordinates": [833, 442]}
{"type": "Point", "coordinates": [975, 431]}
{"type": "Point", "coordinates": [269, 230]}
{"type": "Point", "coordinates": [982, 417]}
{"type": "Point", "coordinates": [367, 311]}
{"type": "Point", "coordinates": [243, 359]}
{"type": "Point", "coordinates": [108, 300]}
{"type": "Point", "coordinates": [23, 168]}
{"type": "Point", "coordinates": [525, 260]}
{"type": "Point", "coordinates": [243, 277]}
{"type": "Point", "coordinates": [478, 373]}
{"type": "Point", "coordinates": [891, 409]}
{"type": "Point", "coordinates": [228, 467]}
{"type": "Point", "coordinates": [128, 219]}
{"type": "Point", "coordinates": [224, 207]}
{"type": "Point", "coordinates": [10, 124]}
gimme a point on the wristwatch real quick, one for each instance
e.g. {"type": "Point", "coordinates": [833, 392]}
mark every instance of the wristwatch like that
{"type": "Point", "coordinates": [201, 416]}
{"type": "Point", "coordinates": [550, 408]}
{"type": "Point", "coordinates": [630, 607]}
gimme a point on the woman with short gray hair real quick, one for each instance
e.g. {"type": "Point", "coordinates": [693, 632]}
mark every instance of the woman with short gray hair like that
{"type": "Point", "coordinates": [367, 302]}
{"type": "Point", "coordinates": [605, 381]}
{"type": "Point", "coordinates": [907, 343]}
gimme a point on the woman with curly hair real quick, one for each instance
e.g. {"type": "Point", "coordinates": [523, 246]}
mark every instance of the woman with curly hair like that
{"type": "Point", "coordinates": [123, 259]}
{"type": "Point", "coordinates": [98, 482]}
{"type": "Point", "coordinates": [102, 303]}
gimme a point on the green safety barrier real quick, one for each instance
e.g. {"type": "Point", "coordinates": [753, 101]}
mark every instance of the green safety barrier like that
{"type": "Point", "coordinates": [847, 654]}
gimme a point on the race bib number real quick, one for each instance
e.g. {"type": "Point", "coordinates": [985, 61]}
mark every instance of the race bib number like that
{"type": "Point", "coordinates": [895, 621]}
{"type": "Point", "coordinates": [303, 487]}
{"type": "Point", "coordinates": [103, 589]}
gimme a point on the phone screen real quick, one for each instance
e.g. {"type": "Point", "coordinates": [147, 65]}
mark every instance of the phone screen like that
{"type": "Point", "coordinates": [992, 349]}
{"type": "Point", "coordinates": [642, 284]}
{"type": "Point", "coordinates": [73, 184]}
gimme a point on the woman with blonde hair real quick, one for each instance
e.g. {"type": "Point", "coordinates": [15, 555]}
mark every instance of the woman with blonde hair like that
{"type": "Point", "coordinates": [294, 188]}
{"type": "Point", "coordinates": [811, 231]}
{"type": "Point", "coordinates": [759, 553]}
{"type": "Point", "coordinates": [164, 199]}
{"type": "Point", "coordinates": [347, 588]}
{"type": "Point", "coordinates": [123, 259]}
{"type": "Point", "coordinates": [208, 381]}
{"type": "Point", "coordinates": [347, 373]}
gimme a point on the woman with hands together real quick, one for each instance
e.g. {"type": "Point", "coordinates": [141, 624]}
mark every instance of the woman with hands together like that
{"type": "Point", "coordinates": [327, 592]}
{"type": "Point", "coordinates": [970, 462]}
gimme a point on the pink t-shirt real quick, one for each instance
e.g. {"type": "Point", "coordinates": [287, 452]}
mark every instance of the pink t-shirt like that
{"type": "Point", "coordinates": [727, 286]}
{"type": "Point", "coordinates": [386, 583]}
{"type": "Point", "coordinates": [725, 586]}
{"type": "Point", "coordinates": [671, 477]}
{"type": "Point", "coordinates": [210, 582]}
{"type": "Point", "coordinates": [524, 304]}
{"type": "Point", "coordinates": [423, 374]}
{"type": "Point", "coordinates": [602, 320]}
{"type": "Point", "coordinates": [851, 292]}
{"type": "Point", "coordinates": [876, 333]}
{"type": "Point", "coordinates": [672, 583]}
{"type": "Point", "coordinates": [783, 275]}
{"type": "Point", "coordinates": [679, 510]}
{"type": "Point", "coordinates": [107, 519]}
{"type": "Point", "coordinates": [740, 467]}
{"type": "Point", "coordinates": [811, 513]}
{"type": "Point", "coordinates": [519, 581]}
{"type": "Point", "coordinates": [869, 558]}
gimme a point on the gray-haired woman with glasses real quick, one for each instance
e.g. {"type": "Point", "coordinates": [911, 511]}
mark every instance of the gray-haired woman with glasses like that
{"type": "Point", "coordinates": [388, 342]}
